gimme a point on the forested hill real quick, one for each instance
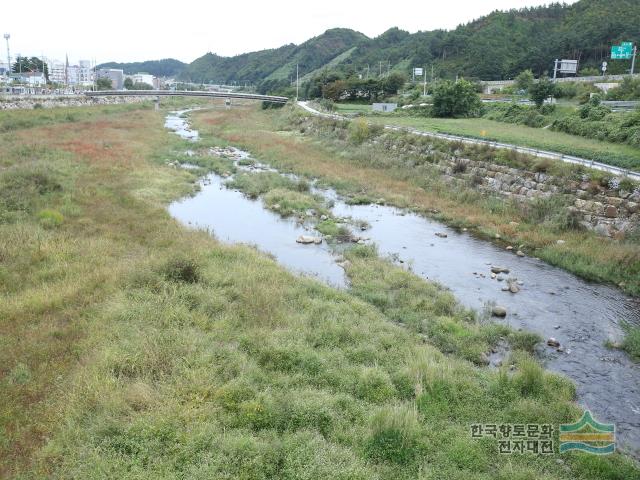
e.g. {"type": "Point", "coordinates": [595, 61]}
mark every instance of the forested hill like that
{"type": "Point", "coordinates": [496, 46]}
{"type": "Point", "coordinates": [276, 64]}
{"type": "Point", "coordinates": [167, 67]}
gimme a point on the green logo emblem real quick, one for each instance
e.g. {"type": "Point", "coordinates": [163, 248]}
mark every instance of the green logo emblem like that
{"type": "Point", "coordinates": [588, 435]}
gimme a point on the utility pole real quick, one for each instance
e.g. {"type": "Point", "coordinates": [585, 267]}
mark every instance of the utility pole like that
{"type": "Point", "coordinates": [424, 77]}
{"type": "Point", "coordinates": [380, 70]}
{"type": "Point", "coordinates": [7, 37]}
{"type": "Point", "coordinates": [297, 82]}
{"type": "Point", "coordinates": [633, 59]}
{"type": "Point", "coordinates": [555, 70]}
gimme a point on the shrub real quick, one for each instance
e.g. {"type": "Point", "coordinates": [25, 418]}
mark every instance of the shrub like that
{"type": "Point", "coordinates": [359, 131]}
{"type": "Point", "coordinates": [459, 165]}
{"type": "Point", "coordinates": [182, 269]}
{"type": "Point", "coordinates": [50, 218]}
{"type": "Point", "coordinates": [541, 90]}
{"type": "Point", "coordinates": [551, 211]}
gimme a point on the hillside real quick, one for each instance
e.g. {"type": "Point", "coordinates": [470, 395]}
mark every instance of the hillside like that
{"type": "Point", "coordinates": [167, 67]}
{"type": "Point", "coordinates": [274, 64]}
{"type": "Point", "coordinates": [507, 42]}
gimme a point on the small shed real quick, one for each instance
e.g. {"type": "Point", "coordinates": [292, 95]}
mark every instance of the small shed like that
{"type": "Point", "coordinates": [384, 107]}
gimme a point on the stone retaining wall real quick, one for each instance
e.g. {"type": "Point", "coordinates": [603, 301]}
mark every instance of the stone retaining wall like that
{"type": "Point", "coordinates": [606, 210]}
{"type": "Point", "coordinates": [609, 210]}
{"type": "Point", "coordinates": [16, 102]}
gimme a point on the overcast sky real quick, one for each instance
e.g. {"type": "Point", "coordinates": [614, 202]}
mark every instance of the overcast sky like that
{"type": "Point", "coordinates": [133, 30]}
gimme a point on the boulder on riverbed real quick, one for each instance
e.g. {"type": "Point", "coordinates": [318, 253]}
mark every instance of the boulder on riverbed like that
{"type": "Point", "coordinates": [498, 311]}
{"type": "Point", "coordinates": [552, 342]}
{"type": "Point", "coordinates": [496, 269]}
{"type": "Point", "coordinates": [308, 239]}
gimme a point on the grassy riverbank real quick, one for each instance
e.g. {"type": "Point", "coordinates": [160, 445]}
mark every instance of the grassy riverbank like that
{"type": "Point", "coordinates": [133, 347]}
{"type": "Point", "coordinates": [620, 155]}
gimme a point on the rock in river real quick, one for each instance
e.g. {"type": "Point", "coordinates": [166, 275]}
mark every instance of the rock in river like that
{"type": "Point", "coordinates": [552, 342]}
{"type": "Point", "coordinates": [496, 269]}
{"type": "Point", "coordinates": [308, 239]}
{"type": "Point", "coordinates": [498, 311]}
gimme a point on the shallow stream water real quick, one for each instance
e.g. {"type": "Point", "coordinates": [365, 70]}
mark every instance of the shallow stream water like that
{"type": "Point", "coordinates": [582, 316]}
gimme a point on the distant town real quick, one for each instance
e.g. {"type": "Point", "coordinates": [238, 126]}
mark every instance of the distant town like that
{"type": "Point", "coordinates": [34, 75]}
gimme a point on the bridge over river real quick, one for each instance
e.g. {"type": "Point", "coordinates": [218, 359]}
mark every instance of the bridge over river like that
{"type": "Point", "coordinates": [156, 94]}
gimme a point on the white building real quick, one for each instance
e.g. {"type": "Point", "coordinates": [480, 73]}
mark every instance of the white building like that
{"type": "Point", "coordinates": [61, 72]}
{"type": "Point", "coordinates": [57, 71]}
{"type": "Point", "coordinates": [144, 78]}
{"type": "Point", "coordinates": [85, 73]}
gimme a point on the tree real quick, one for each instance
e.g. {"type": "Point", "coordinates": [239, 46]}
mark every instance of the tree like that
{"type": "Point", "coordinates": [541, 90]}
{"type": "Point", "coordinates": [456, 99]}
{"type": "Point", "coordinates": [525, 80]}
{"type": "Point", "coordinates": [392, 83]}
{"type": "Point", "coordinates": [104, 84]}
{"type": "Point", "coordinates": [128, 83]}
{"type": "Point", "coordinates": [33, 64]}
{"type": "Point", "coordinates": [141, 86]}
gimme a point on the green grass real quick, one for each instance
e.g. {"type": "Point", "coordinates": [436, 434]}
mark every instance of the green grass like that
{"type": "Point", "coordinates": [352, 108]}
{"type": "Point", "coordinates": [11, 120]}
{"type": "Point", "coordinates": [289, 202]}
{"type": "Point", "coordinates": [257, 184]}
{"type": "Point", "coordinates": [135, 348]}
{"type": "Point", "coordinates": [631, 342]}
{"type": "Point", "coordinates": [614, 154]}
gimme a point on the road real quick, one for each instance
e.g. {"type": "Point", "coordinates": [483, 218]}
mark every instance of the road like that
{"type": "Point", "coordinates": [530, 151]}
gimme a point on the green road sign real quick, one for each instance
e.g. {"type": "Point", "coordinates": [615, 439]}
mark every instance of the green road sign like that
{"type": "Point", "coordinates": [624, 51]}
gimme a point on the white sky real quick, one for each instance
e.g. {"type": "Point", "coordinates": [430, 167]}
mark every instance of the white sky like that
{"type": "Point", "coordinates": [133, 30]}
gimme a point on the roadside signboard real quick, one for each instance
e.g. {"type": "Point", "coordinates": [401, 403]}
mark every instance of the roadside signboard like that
{"type": "Point", "coordinates": [568, 66]}
{"type": "Point", "coordinates": [624, 51]}
{"type": "Point", "coordinates": [417, 72]}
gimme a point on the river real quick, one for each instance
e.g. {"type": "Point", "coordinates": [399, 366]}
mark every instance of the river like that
{"type": "Point", "coordinates": [582, 316]}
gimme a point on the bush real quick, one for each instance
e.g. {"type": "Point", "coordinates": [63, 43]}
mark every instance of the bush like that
{"type": "Point", "coordinates": [594, 120]}
{"type": "Point", "coordinates": [629, 89]}
{"type": "Point", "coordinates": [541, 90]}
{"type": "Point", "coordinates": [272, 105]}
{"type": "Point", "coordinates": [456, 99]}
{"type": "Point", "coordinates": [182, 269]}
{"type": "Point", "coordinates": [519, 114]}
{"type": "Point", "coordinates": [50, 218]}
{"type": "Point", "coordinates": [359, 131]}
